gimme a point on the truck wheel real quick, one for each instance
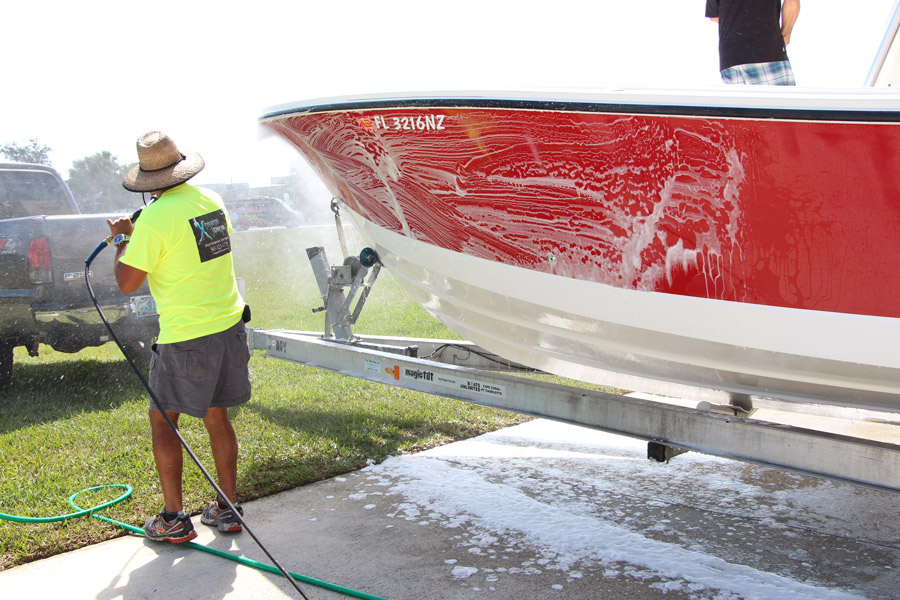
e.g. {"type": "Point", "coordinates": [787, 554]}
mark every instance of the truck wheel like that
{"type": "Point", "coordinates": [6, 362]}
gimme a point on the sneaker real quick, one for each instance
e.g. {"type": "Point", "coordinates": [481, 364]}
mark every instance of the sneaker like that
{"type": "Point", "coordinates": [176, 531]}
{"type": "Point", "coordinates": [222, 518]}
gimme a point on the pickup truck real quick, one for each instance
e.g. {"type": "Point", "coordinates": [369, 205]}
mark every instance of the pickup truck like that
{"type": "Point", "coordinates": [44, 241]}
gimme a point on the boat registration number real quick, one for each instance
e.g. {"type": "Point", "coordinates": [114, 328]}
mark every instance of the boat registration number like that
{"type": "Point", "coordinates": [405, 123]}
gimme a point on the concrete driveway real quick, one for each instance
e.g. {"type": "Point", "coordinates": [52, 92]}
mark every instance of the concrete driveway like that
{"type": "Point", "coordinates": [540, 510]}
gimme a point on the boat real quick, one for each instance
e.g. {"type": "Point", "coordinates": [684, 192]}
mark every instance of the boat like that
{"type": "Point", "coordinates": [722, 244]}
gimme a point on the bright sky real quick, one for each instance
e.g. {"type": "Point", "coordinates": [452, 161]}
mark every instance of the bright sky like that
{"type": "Point", "coordinates": [82, 77]}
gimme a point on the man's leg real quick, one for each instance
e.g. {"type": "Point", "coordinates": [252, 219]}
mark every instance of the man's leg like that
{"type": "Point", "coordinates": [224, 445]}
{"type": "Point", "coordinates": [169, 458]}
{"type": "Point", "coordinates": [167, 452]}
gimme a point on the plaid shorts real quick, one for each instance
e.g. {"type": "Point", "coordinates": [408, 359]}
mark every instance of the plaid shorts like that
{"type": "Point", "coordinates": [769, 73]}
{"type": "Point", "coordinates": [209, 371]}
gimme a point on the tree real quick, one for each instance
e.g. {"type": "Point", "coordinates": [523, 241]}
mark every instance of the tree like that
{"type": "Point", "coordinates": [96, 183]}
{"type": "Point", "coordinates": [35, 152]}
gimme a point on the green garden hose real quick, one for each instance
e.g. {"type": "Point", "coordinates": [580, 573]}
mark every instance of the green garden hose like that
{"type": "Point", "coordinates": [80, 512]}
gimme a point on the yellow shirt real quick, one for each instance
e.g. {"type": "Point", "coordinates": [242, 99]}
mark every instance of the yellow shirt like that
{"type": "Point", "coordinates": [183, 242]}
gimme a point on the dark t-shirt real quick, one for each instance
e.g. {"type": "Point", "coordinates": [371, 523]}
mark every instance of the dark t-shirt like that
{"type": "Point", "coordinates": [749, 31]}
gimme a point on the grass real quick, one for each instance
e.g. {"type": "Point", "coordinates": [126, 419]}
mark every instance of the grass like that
{"type": "Point", "coordinates": [74, 421]}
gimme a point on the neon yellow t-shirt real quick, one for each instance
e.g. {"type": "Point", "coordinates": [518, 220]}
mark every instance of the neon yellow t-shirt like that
{"type": "Point", "coordinates": [183, 242]}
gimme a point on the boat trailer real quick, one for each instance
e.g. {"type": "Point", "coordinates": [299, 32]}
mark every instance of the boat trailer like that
{"type": "Point", "coordinates": [462, 371]}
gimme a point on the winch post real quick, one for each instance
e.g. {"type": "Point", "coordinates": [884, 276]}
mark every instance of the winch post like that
{"type": "Point", "coordinates": [332, 280]}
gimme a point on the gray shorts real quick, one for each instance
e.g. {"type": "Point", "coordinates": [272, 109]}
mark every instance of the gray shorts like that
{"type": "Point", "coordinates": [194, 375]}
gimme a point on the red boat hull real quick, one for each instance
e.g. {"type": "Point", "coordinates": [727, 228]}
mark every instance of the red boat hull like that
{"type": "Point", "coordinates": [792, 213]}
{"type": "Point", "coordinates": [772, 205]}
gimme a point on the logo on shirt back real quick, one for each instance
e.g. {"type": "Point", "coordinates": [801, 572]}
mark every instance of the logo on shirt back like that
{"type": "Point", "coordinates": [211, 233]}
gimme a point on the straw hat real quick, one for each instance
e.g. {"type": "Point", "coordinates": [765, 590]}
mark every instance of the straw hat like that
{"type": "Point", "coordinates": [160, 164]}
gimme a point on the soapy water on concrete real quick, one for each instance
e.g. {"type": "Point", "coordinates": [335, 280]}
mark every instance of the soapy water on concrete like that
{"type": "Point", "coordinates": [546, 496]}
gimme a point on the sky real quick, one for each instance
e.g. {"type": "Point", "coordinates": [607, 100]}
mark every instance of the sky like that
{"type": "Point", "coordinates": [90, 76]}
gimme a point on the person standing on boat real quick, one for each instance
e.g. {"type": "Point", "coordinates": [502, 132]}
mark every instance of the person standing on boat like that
{"type": "Point", "coordinates": [199, 364]}
{"type": "Point", "coordinates": [753, 35]}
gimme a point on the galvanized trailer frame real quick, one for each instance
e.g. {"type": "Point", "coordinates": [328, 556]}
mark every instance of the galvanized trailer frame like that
{"type": "Point", "coordinates": [462, 371]}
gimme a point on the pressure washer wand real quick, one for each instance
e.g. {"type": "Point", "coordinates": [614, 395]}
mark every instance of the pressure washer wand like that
{"type": "Point", "coordinates": [219, 492]}
{"type": "Point", "coordinates": [106, 242]}
{"type": "Point", "coordinates": [95, 252]}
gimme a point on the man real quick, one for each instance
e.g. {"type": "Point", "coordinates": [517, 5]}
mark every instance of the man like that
{"type": "Point", "coordinates": [753, 35]}
{"type": "Point", "coordinates": [199, 364]}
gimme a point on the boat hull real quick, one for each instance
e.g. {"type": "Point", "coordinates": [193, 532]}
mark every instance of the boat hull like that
{"type": "Point", "coordinates": [743, 250]}
{"type": "Point", "coordinates": [589, 332]}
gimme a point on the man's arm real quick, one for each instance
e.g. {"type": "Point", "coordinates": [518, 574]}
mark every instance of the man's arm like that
{"type": "Point", "coordinates": [128, 278]}
{"type": "Point", "coordinates": [790, 9]}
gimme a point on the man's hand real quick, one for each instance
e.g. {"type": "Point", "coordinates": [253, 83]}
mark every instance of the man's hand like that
{"type": "Point", "coordinates": [128, 278]}
{"type": "Point", "coordinates": [120, 225]}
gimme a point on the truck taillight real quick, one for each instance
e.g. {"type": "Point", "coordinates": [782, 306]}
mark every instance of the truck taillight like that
{"type": "Point", "coordinates": [39, 261]}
